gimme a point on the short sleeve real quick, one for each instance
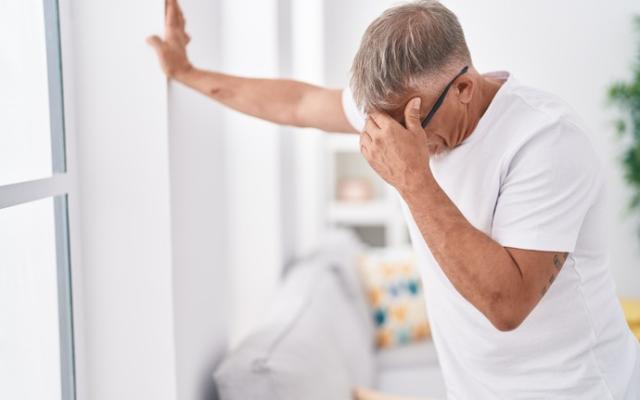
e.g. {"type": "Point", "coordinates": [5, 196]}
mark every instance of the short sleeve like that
{"type": "Point", "coordinates": [355, 116]}
{"type": "Point", "coordinates": [550, 183]}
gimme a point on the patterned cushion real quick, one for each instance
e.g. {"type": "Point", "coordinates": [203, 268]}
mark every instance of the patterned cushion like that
{"type": "Point", "coordinates": [394, 291]}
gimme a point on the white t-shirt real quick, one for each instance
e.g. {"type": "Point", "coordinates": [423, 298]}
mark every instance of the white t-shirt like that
{"type": "Point", "coordinates": [528, 177]}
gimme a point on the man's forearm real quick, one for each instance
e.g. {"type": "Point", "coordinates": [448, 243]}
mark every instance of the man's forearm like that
{"type": "Point", "coordinates": [274, 100]}
{"type": "Point", "coordinates": [478, 267]}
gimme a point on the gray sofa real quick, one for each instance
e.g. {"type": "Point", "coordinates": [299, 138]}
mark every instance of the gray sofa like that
{"type": "Point", "coordinates": [317, 340]}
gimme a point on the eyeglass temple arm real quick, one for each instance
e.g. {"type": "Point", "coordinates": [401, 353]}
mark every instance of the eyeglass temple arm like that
{"type": "Point", "coordinates": [442, 96]}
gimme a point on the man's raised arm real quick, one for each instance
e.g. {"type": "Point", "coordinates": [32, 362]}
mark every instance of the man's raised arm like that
{"type": "Point", "coordinates": [282, 101]}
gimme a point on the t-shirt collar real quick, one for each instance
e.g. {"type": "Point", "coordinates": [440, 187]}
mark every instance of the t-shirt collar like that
{"type": "Point", "coordinates": [492, 110]}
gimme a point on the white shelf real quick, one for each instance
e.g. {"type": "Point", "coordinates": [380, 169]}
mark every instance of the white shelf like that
{"type": "Point", "coordinates": [381, 213]}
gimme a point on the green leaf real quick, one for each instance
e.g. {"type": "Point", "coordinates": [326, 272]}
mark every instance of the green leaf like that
{"type": "Point", "coordinates": [625, 96]}
{"type": "Point", "coordinates": [621, 127]}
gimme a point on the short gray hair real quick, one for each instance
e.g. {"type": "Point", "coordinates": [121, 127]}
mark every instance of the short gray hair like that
{"type": "Point", "coordinates": [402, 47]}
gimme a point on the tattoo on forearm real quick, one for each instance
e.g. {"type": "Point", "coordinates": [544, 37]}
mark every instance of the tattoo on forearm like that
{"type": "Point", "coordinates": [558, 263]}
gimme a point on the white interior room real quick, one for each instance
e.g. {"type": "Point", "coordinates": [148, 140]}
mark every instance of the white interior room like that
{"type": "Point", "coordinates": [147, 231]}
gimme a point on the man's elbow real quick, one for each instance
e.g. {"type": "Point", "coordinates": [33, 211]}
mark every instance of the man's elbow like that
{"type": "Point", "coordinates": [506, 317]}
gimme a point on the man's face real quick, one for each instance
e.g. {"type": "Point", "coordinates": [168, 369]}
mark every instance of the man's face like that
{"type": "Point", "coordinates": [447, 111]}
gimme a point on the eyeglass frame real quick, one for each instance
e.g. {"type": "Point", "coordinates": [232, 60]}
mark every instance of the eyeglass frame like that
{"type": "Point", "coordinates": [440, 99]}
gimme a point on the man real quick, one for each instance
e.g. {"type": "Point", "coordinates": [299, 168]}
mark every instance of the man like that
{"type": "Point", "coordinates": [502, 192]}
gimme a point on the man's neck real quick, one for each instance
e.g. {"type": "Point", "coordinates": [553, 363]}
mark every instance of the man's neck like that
{"type": "Point", "coordinates": [486, 92]}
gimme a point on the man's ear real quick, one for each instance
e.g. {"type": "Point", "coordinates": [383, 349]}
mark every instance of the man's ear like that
{"type": "Point", "coordinates": [466, 87]}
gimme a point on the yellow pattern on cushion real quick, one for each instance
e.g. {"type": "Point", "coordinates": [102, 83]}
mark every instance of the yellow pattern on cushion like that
{"type": "Point", "coordinates": [384, 338]}
{"type": "Point", "coordinates": [394, 291]}
{"type": "Point", "coordinates": [631, 309]}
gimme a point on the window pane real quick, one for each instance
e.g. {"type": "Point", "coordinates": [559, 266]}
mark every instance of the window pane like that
{"type": "Point", "coordinates": [30, 357]}
{"type": "Point", "coordinates": [30, 102]}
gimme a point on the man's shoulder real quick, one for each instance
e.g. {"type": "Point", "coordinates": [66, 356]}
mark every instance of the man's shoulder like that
{"type": "Point", "coordinates": [541, 123]}
{"type": "Point", "coordinates": [560, 151]}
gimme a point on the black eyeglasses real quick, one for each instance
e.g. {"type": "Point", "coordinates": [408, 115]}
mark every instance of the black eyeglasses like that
{"type": "Point", "coordinates": [426, 119]}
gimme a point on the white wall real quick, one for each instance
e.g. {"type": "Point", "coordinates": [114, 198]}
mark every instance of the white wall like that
{"type": "Point", "coordinates": [120, 118]}
{"type": "Point", "coordinates": [308, 60]}
{"type": "Point", "coordinates": [153, 309]}
{"type": "Point", "coordinates": [250, 48]}
{"type": "Point", "coordinates": [199, 206]}
{"type": "Point", "coordinates": [574, 49]}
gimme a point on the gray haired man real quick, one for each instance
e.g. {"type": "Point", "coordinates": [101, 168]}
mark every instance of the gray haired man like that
{"type": "Point", "coordinates": [502, 191]}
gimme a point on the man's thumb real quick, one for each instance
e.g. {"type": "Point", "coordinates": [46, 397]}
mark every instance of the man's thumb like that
{"type": "Point", "coordinates": [154, 41]}
{"type": "Point", "coordinates": [412, 114]}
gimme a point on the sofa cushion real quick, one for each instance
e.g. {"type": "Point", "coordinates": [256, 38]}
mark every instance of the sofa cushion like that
{"type": "Point", "coordinates": [394, 291]}
{"type": "Point", "coordinates": [312, 344]}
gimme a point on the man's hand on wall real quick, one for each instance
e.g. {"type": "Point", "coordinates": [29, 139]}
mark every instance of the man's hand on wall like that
{"type": "Point", "coordinates": [172, 50]}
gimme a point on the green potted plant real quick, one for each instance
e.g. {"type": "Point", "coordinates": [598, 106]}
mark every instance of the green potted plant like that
{"type": "Point", "coordinates": [626, 96]}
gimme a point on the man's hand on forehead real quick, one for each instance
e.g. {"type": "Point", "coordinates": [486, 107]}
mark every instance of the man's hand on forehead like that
{"type": "Point", "coordinates": [397, 153]}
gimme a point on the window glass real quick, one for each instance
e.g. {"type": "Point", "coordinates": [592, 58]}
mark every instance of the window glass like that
{"type": "Point", "coordinates": [25, 123]}
{"type": "Point", "coordinates": [30, 365]}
